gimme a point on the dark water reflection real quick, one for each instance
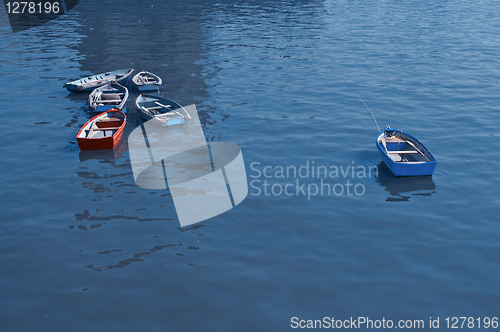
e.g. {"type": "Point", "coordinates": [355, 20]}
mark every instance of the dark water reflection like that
{"type": "Point", "coordinates": [402, 188]}
{"type": "Point", "coordinates": [159, 36]}
{"type": "Point", "coordinates": [134, 259]}
{"type": "Point", "coordinates": [280, 80]}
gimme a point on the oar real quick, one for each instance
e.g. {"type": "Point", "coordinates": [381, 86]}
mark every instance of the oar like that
{"type": "Point", "coordinates": [166, 106]}
{"type": "Point", "coordinates": [423, 154]}
{"type": "Point", "coordinates": [147, 111]}
{"type": "Point", "coordinates": [169, 107]}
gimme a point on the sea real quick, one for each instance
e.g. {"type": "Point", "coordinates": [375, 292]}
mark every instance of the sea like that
{"type": "Point", "coordinates": [326, 234]}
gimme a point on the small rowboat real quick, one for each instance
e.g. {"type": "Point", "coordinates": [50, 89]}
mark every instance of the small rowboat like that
{"type": "Point", "coordinates": [146, 81]}
{"type": "Point", "coordinates": [404, 154]}
{"type": "Point", "coordinates": [108, 96]}
{"type": "Point", "coordinates": [103, 131]}
{"type": "Point", "coordinates": [90, 83]}
{"type": "Point", "coordinates": [161, 110]}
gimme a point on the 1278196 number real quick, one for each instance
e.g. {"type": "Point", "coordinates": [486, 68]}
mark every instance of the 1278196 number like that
{"type": "Point", "coordinates": [32, 7]}
{"type": "Point", "coordinates": [471, 322]}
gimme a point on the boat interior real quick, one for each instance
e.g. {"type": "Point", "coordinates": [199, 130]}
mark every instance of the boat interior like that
{"type": "Point", "coordinates": [162, 111]}
{"type": "Point", "coordinates": [94, 78]}
{"type": "Point", "coordinates": [101, 77]}
{"type": "Point", "coordinates": [144, 78]}
{"type": "Point", "coordinates": [106, 125]}
{"type": "Point", "coordinates": [110, 97]}
{"type": "Point", "coordinates": [155, 106]}
{"type": "Point", "coordinates": [403, 149]}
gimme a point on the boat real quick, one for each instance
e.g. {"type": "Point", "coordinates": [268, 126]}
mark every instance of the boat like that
{"type": "Point", "coordinates": [112, 95]}
{"type": "Point", "coordinates": [146, 81]}
{"type": "Point", "coordinates": [404, 154]}
{"type": "Point", "coordinates": [91, 82]}
{"type": "Point", "coordinates": [161, 110]}
{"type": "Point", "coordinates": [103, 131]}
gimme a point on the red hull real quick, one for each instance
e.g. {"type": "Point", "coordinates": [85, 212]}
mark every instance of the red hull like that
{"type": "Point", "coordinates": [106, 142]}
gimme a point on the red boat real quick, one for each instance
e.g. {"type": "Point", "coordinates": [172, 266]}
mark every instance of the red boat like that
{"type": "Point", "coordinates": [102, 131]}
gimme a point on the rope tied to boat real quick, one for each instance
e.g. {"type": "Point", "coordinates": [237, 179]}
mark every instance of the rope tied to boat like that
{"type": "Point", "coordinates": [370, 112]}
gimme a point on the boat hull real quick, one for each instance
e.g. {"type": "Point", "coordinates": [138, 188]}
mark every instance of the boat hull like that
{"type": "Point", "coordinates": [150, 100]}
{"type": "Point", "coordinates": [106, 108]}
{"type": "Point", "coordinates": [401, 168]}
{"type": "Point", "coordinates": [107, 154]}
{"type": "Point", "coordinates": [107, 97]}
{"type": "Point", "coordinates": [145, 81]}
{"type": "Point", "coordinates": [106, 141]}
{"type": "Point", "coordinates": [88, 84]}
{"type": "Point", "coordinates": [147, 87]}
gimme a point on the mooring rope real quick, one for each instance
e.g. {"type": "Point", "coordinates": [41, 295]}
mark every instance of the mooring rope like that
{"type": "Point", "coordinates": [370, 112]}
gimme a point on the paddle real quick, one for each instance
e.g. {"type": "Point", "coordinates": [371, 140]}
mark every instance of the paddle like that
{"type": "Point", "coordinates": [423, 154]}
{"type": "Point", "coordinates": [169, 107]}
{"type": "Point", "coordinates": [166, 106]}
{"type": "Point", "coordinates": [147, 111]}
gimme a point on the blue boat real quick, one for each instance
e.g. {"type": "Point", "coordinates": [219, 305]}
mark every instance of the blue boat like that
{"type": "Point", "coordinates": [161, 110]}
{"type": "Point", "coordinates": [89, 83]}
{"type": "Point", "coordinates": [108, 96]}
{"type": "Point", "coordinates": [404, 154]}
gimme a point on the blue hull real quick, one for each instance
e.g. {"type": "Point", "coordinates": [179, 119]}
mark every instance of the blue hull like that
{"type": "Point", "coordinates": [105, 108]}
{"type": "Point", "coordinates": [147, 88]}
{"type": "Point", "coordinates": [172, 122]}
{"type": "Point", "coordinates": [408, 167]}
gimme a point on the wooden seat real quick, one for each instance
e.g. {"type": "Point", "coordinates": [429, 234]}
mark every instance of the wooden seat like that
{"type": "Point", "coordinates": [111, 118]}
{"type": "Point", "coordinates": [394, 140]}
{"type": "Point", "coordinates": [103, 129]}
{"type": "Point", "coordinates": [158, 107]}
{"type": "Point", "coordinates": [401, 152]}
{"type": "Point", "coordinates": [109, 101]}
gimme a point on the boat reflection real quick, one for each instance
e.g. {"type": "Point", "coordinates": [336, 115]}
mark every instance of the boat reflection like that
{"type": "Point", "coordinates": [402, 188]}
{"type": "Point", "coordinates": [115, 153]}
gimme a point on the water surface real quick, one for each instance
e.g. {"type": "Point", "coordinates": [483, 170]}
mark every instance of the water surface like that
{"type": "Point", "coordinates": [83, 248]}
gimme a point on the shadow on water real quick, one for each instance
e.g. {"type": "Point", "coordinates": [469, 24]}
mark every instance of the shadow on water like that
{"type": "Point", "coordinates": [139, 35]}
{"type": "Point", "coordinates": [166, 38]}
{"type": "Point", "coordinates": [23, 16]}
{"type": "Point", "coordinates": [410, 186]}
{"type": "Point", "coordinates": [134, 259]}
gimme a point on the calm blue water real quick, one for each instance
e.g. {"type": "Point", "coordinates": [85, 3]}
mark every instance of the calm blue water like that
{"type": "Point", "coordinates": [82, 248]}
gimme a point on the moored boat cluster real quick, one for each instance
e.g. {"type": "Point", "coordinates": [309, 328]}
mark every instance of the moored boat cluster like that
{"type": "Point", "coordinates": [108, 97]}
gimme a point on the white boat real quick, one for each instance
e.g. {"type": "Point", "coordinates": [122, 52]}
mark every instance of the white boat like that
{"type": "Point", "coordinates": [161, 110]}
{"type": "Point", "coordinates": [109, 96]}
{"type": "Point", "coordinates": [146, 81]}
{"type": "Point", "coordinates": [90, 83]}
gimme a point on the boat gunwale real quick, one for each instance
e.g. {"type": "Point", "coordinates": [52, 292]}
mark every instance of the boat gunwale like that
{"type": "Point", "coordinates": [93, 104]}
{"type": "Point", "coordinates": [158, 98]}
{"type": "Point", "coordinates": [92, 81]}
{"type": "Point", "coordinates": [141, 84]}
{"type": "Point", "coordinates": [116, 135]}
{"type": "Point", "coordinates": [406, 137]}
